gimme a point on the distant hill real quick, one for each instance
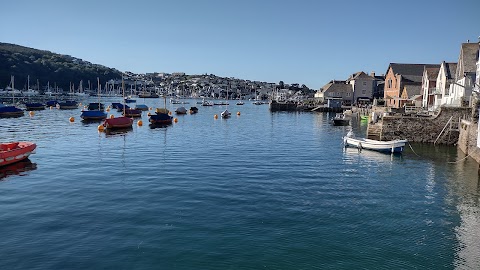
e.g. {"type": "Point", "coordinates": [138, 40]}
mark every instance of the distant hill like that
{"type": "Point", "coordinates": [50, 67]}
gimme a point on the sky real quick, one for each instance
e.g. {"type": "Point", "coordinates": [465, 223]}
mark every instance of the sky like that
{"type": "Point", "coordinates": [295, 41]}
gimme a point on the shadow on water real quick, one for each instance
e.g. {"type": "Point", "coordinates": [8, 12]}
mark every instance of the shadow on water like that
{"type": "Point", "coordinates": [117, 132]}
{"type": "Point", "coordinates": [18, 168]}
{"type": "Point", "coordinates": [154, 126]}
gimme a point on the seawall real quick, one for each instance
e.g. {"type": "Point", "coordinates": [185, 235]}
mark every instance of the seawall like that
{"type": "Point", "coordinates": [467, 141]}
{"type": "Point", "coordinates": [420, 128]}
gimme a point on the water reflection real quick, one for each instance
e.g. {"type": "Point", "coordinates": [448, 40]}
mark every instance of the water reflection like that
{"type": "Point", "coordinates": [372, 156]}
{"type": "Point", "coordinates": [117, 132]}
{"type": "Point", "coordinates": [18, 168]}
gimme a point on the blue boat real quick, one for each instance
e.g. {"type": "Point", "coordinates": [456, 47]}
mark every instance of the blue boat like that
{"type": "Point", "coordinates": [93, 115]}
{"type": "Point", "coordinates": [67, 105]}
{"type": "Point", "coordinates": [116, 105]}
{"type": "Point", "coordinates": [10, 111]}
{"type": "Point", "coordinates": [161, 117]}
{"type": "Point", "coordinates": [120, 107]}
{"type": "Point", "coordinates": [95, 106]}
{"type": "Point", "coordinates": [52, 103]}
{"type": "Point", "coordinates": [35, 106]}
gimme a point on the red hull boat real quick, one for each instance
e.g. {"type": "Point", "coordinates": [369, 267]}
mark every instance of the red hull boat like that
{"type": "Point", "coordinates": [118, 122]}
{"type": "Point", "coordinates": [15, 151]}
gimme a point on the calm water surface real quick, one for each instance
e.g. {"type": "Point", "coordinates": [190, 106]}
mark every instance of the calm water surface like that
{"type": "Point", "coordinates": [257, 191]}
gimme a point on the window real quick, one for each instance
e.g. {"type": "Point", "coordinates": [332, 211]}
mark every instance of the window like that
{"type": "Point", "coordinates": [364, 92]}
{"type": "Point", "coordinates": [364, 83]}
{"type": "Point", "coordinates": [389, 83]}
{"type": "Point", "coordinates": [348, 94]}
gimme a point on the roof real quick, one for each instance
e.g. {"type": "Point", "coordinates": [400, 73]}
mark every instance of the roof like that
{"type": "Point", "coordinates": [360, 75]}
{"type": "Point", "coordinates": [330, 83]}
{"type": "Point", "coordinates": [467, 61]}
{"type": "Point", "coordinates": [338, 88]}
{"type": "Point", "coordinates": [413, 90]}
{"type": "Point", "coordinates": [450, 69]}
{"type": "Point", "coordinates": [410, 72]}
{"type": "Point", "coordinates": [432, 72]}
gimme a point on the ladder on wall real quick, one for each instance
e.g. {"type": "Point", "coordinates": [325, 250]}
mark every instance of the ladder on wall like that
{"type": "Point", "coordinates": [451, 125]}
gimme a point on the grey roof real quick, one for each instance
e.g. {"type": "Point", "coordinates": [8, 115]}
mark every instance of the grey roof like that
{"type": "Point", "coordinates": [360, 75]}
{"type": "Point", "coordinates": [413, 90]}
{"type": "Point", "coordinates": [330, 83]}
{"type": "Point", "coordinates": [340, 87]}
{"type": "Point", "coordinates": [432, 72]}
{"type": "Point", "coordinates": [410, 72]}
{"type": "Point", "coordinates": [450, 69]}
{"type": "Point", "coordinates": [467, 61]}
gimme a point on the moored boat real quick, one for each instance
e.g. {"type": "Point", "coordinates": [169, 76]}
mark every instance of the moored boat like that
{"type": "Point", "coordinates": [193, 110]}
{"type": "Point", "coordinates": [93, 115]}
{"type": "Point", "coordinates": [181, 110]}
{"type": "Point", "coordinates": [395, 146]}
{"type": "Point", "coordinates": [34, 106]}
{"type": "Point", "coordinates": [10, 111]}
{"type": "Point", "coordinates": [118, 122]}
{"type": "Point", "coordinates": [15, 151]}
{"type": "Point", "coordinates": [129, 112]}
{"type": "Point", "coordinates": [161, 116]}
{"type": "Point", "coordinates": [341, 119]}
{"type": "Point", "coordinates": [67, 105]}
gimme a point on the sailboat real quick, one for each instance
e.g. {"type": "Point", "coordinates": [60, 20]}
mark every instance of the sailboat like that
{"type": "Point", "coordinates": [11, 111]}
{"type": "Point", "coordinates": [161, 116]}
{"type": "Point", "coordinates": [95, 110]}
{"type": "Point", "coordinates": [33, 106]}
{"type": "Point", "coordinates": [119, 122]}
{"type": "Point", "coordinates": [226, 113]}
{"type": "Point", "coordinates": [257, 102]}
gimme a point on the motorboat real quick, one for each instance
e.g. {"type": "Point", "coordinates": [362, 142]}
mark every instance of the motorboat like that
{"type": "Point", "coordinates": [341, 119]}
{"type": "Point", "coordinates": [15, 151]}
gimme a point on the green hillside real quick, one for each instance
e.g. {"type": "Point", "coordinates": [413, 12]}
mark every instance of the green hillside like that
{"type": "Point", "coordinates": [48, 67]}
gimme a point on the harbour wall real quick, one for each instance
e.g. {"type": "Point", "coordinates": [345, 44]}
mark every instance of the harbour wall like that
{"type": "Point", "coordinates": [467, 141]}
{"type": "Point", "coordinates": [421, 128]}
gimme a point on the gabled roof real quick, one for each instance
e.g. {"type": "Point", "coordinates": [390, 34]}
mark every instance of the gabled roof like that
{"type": "Point", "coordinates": [360, 75]}
{"type": "Point", "coordinates": [467, 61]}
{"type": "Point", "coordinates": [330, 83]}
{"type": "Point", "coordinates": [449, 69]}
{"type": "Point", "coordinates": [413, 90]}
{"type": "Point", "coordinates": [337, 87]}
{"type": "Point", "coordinates": [432, 72]}
{"type": "Point", "coordinates": [410, 72]}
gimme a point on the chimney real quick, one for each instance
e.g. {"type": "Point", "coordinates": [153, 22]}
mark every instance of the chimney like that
{"type": "Point", "coordinates": [372, 74]}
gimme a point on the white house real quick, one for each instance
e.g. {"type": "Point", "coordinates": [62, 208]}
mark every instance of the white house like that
{"type": "Point", "coordinates": [446, 76]}
{"type": "Point", "coordinates": [461, 90]}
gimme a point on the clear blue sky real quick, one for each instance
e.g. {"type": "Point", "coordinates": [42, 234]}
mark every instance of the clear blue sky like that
{"type": "Point", "coordinates": [298, 41]}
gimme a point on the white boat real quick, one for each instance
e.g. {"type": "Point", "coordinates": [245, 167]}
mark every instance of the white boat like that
{"type": "Point", "coordinates": [395, 146]}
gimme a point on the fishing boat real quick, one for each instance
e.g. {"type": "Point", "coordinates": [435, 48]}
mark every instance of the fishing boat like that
{"type": "Point", "coordinates": [341, 119]}
{"type": "Point", "coordinates": [395, 146]}
{"type": "Point", "coordinates": [15, 151]}
{"type": "Point", "coordinates": [161, 116]}
{"type": "Point", "coordinates": [95, 110]}
{"type": "Point", "coordinates": [121, 122]}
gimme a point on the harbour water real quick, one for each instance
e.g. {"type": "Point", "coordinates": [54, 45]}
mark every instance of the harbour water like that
{"type": "Point", "coordinates": [257, 191]}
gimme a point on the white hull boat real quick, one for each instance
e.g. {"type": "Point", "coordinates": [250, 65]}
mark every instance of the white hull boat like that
{"type": "Point", "coordinates": [395, 146]}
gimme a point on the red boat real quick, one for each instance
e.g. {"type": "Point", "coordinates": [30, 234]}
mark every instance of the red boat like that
{"type": "Point", "coordinates": [118, 122]}
{"type": "Point", "coordinates": [15, 151]}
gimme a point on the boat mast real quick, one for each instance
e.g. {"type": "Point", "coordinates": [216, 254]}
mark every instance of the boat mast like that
{"type": "Point", "coordinates": [123, 94]}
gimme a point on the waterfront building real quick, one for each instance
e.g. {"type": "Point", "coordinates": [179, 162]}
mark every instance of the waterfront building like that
{"type": "Point", "coordinates": [336, 90]}
{"type": "Point", "coordinates": [429, 90]}
{"type": "Point", "coordinates": [397, 77]}
{"type": "Point", "coordinates": [460, 91]}
{"type": "Point", "coordinates": [363, 87]}
{"type": "Point", "coordinates": [445, 77]}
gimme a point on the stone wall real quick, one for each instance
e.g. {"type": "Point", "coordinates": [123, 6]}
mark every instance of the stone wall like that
{"type": "Point", "coordinates": [467, 141]}
{"type": "Point", "coordinates": [424, 129]}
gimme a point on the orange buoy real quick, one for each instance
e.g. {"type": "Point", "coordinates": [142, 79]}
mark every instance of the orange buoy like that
{"type": "Point", "coordinates": [140, 123]}
{"type": "Point", "coordinates": [71, 119]}
{"type": "Point", "coordinates": [31, 113]}
{"type": "Point", "coordinates": [215, 116]}
{"type": "Point", "coordinates": [238, 113]}
{"type": "Point", "coordinates": [101, 128]}
{"type": "Point", "coordinates": [175, 120]}
{"type": "Point", "coordinates": [112, 116]}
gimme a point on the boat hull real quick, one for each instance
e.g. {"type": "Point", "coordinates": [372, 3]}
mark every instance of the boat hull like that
{"type": "Point", "coordinates": [118, 122]}
{"type": "Point", "coordinates": [15, 152]}
{"type": "Point", "coordinates": [395, 146]}
{"type": "Point", "coordinates": [160, 118]}
{"type": "Point", "coordinates": [93, 115]}
{"type": "Point", "coordinates": [341, 122]}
